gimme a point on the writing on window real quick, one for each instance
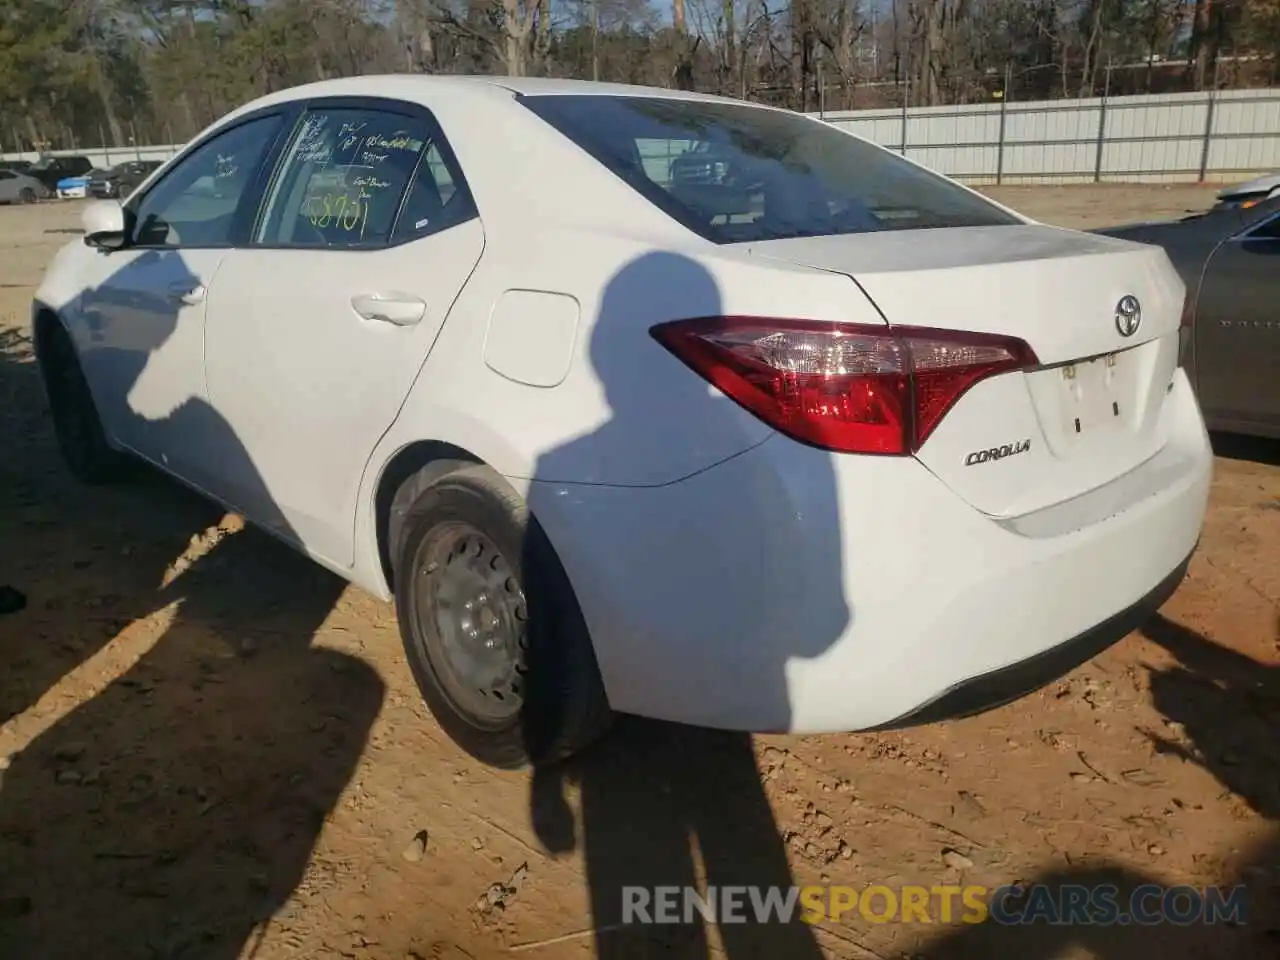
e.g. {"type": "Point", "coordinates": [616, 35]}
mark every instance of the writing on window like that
{"type": "Point", "coordinates": [352, 170]}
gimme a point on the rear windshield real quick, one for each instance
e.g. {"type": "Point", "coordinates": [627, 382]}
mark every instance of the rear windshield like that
{"type": "Point", "coordinates": [735, 173]}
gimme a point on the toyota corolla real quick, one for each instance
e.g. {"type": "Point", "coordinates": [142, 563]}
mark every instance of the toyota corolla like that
{"type": "Point", "coordinates": [790, 434]}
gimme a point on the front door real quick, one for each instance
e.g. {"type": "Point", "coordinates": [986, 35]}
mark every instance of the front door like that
{"type": "Point", "coordinates": [318, 328]}
{"type": "Point", "coordinates": [142, 318]}
{"type": "Point", "coordinates": [143, 342]}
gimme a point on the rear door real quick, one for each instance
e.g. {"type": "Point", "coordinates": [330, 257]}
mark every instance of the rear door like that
{"type": "Point", "coordinates": [319, 326]}
{"type": "Point", "coordinates": [1237, 330]}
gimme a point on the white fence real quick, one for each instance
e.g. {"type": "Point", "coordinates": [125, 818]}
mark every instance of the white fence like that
{"type": "Point", "coordinates": [103, 156]}
{"type": "Point", "coordinates": [1180, 137]}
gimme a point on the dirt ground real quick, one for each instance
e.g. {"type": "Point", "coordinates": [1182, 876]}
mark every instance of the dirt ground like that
{"type": "Point", "coordinates": [214, 749]}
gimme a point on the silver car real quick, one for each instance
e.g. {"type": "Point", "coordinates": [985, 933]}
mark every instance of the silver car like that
{"type": "Point", "coordinates": [1229, 258]}
{"type": "Point", "coordinates": [1252, 193]}
{"type": "Point", "coordinates": [17, 187]}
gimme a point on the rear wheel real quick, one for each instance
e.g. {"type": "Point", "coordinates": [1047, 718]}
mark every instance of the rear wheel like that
{"type": "Point", "coordinates": [27, 195]}
{"type": "Point", "coordinates": [490, 624]}
{"type": "Point", "coordinates": [76, 424]}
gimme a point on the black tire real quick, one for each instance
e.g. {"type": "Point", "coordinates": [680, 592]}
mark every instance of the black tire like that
{"type": "Point", "coordinates": [76, 424]}
{"type": "Point", "coordinates": [454, 524]}
{"type": "Point", "coordinates": [27, 195]}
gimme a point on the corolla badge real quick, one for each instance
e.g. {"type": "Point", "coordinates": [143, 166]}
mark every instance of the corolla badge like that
{"type": "Point", "coordinates": [1128, 315]}
{"type": "Point", "coordinates": [998, 453]}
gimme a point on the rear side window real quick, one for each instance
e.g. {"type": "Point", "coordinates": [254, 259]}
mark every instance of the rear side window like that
{"type": "Point", "coordinates": [735, 173]}
{"type": "Point", "coordinates": [354, 175]}
{"type": "Point", "coordinates": [342, 179]}
{"type": "Point", "coordinates": [438, 199]}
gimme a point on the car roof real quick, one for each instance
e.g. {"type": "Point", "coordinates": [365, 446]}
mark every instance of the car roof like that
{"type": "Point", "coordinates": [546, 86]}
{"type": "Point", "coordinates": [414, 86]}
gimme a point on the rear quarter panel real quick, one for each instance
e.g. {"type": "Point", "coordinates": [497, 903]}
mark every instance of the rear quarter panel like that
{"type": "Point", "coordinates": [625, 412]}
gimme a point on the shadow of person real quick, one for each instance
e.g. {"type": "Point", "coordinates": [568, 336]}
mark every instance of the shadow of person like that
{"type": "Point", "coordinates": [1228, 706]}
{"type": "Point", "coordinates": [177, 809]}
{"type": "Point", "coordinates": [60, 544]}
{"type": "Point", "coordinates": [662, 804]}
{"type": "Point", "coordinates": [27, 670]}
{"type": "Point", "coordinates": [1039, 924]}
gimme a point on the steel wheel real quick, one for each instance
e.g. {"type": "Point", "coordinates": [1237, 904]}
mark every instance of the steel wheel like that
{"type": "Point", "coordinates": [466, 594]}
{"type": "Point", "coordinates": [490, 623]}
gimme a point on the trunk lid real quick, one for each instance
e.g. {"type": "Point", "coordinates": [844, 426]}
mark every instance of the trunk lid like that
{"type": "Point", "coordinates": [1022, 441]}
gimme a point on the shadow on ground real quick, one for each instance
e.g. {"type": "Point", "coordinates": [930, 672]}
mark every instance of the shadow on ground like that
{"type": "Point", "coordinates": [175, 810]}
{"type": "Point", "coordinates": [1228, 705]}
{"type": "Point", "coordinates": [664, 805]}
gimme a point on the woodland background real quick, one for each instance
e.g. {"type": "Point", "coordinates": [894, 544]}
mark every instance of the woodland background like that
{"type": "Point", "coordinates": [76, 73]}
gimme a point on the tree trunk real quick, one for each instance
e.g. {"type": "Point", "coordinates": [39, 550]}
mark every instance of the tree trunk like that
{"type": "Point", "coordinates": [33, 131]}
{"type": "Point", "coordinates": [730, 43]}
{"type": "Point", "coordinates": [108, 108]}
{"type": "Point", "coordinates": [801, 52]}
{"type": "Point", "coordinates": [542, 36]}
{"type": "Point", "coordinates": [1088, 67]}
{"type": "Point", "coordinates": [1201, 35]}
{"type": "Point", "coordinates": [515, 47]}
{"type": "Point", "coordinates": [513, 55]}
{"type": "Point", "coordinates": [929, 54]}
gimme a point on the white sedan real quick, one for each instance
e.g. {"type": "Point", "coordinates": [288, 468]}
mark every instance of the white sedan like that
{"type": "Point", "coordinates": [643, 401]}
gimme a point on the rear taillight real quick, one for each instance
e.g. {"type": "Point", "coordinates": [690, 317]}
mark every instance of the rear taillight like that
{"type": "Point", "coordinates": [854, 389]}
{"type": "Point", "coordinates": [1184, 328]}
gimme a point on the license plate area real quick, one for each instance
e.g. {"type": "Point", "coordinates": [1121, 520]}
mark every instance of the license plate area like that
{"type": "Point", "coordinates": [1094, 395]}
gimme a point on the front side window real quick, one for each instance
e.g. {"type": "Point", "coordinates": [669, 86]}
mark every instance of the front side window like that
{"type": "Point", "coordinates": [196, 203]}
{"type": "Point", "coordinates": [343, 178]}
{"type": "Point", "coordinates": [735, 172]}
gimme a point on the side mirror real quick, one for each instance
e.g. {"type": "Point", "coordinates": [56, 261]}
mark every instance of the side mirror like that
{"type": "Point", "coordinates": [105, 225]}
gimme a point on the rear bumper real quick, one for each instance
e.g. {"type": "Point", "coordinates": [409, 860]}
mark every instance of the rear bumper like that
{"type": "Point", "coordinates": [994, 689]}
{"type": "Point", "coordinates": [788, 589]}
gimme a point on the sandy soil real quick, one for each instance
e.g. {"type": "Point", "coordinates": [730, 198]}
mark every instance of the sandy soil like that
{"type": "Point", "coordinates": [216, 750]}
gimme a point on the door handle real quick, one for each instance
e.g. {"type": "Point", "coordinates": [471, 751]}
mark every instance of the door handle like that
{"type": "Point", "coordinates": [400, 309]}
{"type": "Point", "coordinates": [186, 293]}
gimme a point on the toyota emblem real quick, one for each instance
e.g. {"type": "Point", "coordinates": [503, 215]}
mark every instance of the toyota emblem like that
{"type": "Point", "coordinates": [1128, 315]}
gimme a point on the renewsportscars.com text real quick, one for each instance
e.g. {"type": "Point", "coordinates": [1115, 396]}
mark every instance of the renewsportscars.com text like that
{"type": "Point", "coordinates": [1066, 904]}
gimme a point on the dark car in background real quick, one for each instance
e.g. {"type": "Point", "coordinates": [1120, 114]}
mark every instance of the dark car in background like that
{"type": "Point", "coordinates": [49, 170]}
{"type": "Point", "coordinates": [122, 179]}
{"type": "Point", "coordinates": [1229, 258]}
